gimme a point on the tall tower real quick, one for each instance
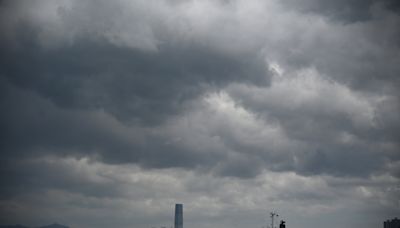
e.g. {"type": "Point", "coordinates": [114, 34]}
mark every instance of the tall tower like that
{"type": "Point", "coordinates": [178, 216]}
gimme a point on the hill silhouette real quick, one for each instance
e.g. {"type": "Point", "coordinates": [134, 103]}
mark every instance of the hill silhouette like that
{"type": "Point", "coordinates": [14, 226]}
{"type": "Point", "coordinates": [54, 225]}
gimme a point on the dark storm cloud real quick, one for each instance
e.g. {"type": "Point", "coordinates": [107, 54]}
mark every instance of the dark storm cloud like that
{"type": "Point", "coordinates": [64, 90]}
{"type": "Point", "coordinates": [329, 135]}
{"type": "Point", "coordinates": [131, 84]}
{"type": "Point", "coordinates": [33, 126]}
{"type": "Point", "coordinates": [342, 10]}
{"type": "Point", "coordinates": [38, 176]}
{"type": "Point", "coordinates": [360, 52]}
{"type": "Point", "coordinates": [119, 109]}
{"type": "Point", "coordinates": [62, 99]}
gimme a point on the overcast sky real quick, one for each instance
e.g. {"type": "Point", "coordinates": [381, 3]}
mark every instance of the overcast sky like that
{"type": "Point", "coordinates": [113, 111]}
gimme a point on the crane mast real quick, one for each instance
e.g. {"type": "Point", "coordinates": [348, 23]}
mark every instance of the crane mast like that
{"type": "Point", "coordinates": [273, 215]}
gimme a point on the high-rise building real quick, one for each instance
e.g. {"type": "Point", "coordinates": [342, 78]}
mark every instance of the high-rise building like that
{"type": "Point", "coordinates": [178, 216]}
{"type": "Point", "coordinates": [394, 223]}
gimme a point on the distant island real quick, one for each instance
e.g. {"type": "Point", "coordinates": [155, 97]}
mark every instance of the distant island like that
{"type": "Point", "coordinates": [55, 225]}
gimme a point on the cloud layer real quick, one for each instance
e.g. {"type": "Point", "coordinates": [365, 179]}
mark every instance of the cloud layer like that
{"type": "Point", "coordinates": [113, 112]}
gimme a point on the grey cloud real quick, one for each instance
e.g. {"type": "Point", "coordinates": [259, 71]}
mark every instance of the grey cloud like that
{"type": "Point", "coordinates": [132, 85]}
{"type": "Point", "coordinates": [330, 128]}
{"type": "Point", "coordinates": [362, 55]}
{"type": "Point", "coordinates": [115, 111]}
{"type": "Point", "coordinates": [62, 98]}
{"type": "Point", "coordinates": [33, 126]}
{"type": "Point", "coordinates": [140, 196]}
{"type": "Point", "coordinates": [92, 71]}
{"type": "Point", "coordinates": [39, 176]}
{"type": "Point", "coordinates": [346, 11]}
{"type": "Point", "coordinates": [78, 86]}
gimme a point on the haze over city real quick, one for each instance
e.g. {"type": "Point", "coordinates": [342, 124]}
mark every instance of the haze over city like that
{"type": "Point", "coordinates": [112, 112]}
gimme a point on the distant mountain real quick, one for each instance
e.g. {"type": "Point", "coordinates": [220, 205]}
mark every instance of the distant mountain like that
{"type": "Point", "coordinates": [14, 226]}
{"type": "Point", "coordinates": [55, 225]}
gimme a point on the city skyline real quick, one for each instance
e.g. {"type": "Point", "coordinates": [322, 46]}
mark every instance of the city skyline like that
{"type": "Point", "coordinates": [112, 112]}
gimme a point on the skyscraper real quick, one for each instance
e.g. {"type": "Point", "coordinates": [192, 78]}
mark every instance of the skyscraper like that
{"type": "Point", "coordinates": [178, 216]}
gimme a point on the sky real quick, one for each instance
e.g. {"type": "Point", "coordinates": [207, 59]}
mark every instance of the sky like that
{"type": "Point", "coordinates": [113, 111]}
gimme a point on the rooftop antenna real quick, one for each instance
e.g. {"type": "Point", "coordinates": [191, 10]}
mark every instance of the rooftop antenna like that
{"type": "Point", "coordinates": [273, 214]}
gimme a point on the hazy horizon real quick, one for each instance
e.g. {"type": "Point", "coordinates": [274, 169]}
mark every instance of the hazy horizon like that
{"type": "Point", "coordinates": [113, 111]}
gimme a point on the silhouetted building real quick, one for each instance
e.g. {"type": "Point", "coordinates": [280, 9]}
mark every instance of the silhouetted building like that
{"type": "Point", "coordinates": [394, 223]}
{"type": "Point", "coordinates": [178, 216]}
{"type": "Point", "coordinates": [282, 225]}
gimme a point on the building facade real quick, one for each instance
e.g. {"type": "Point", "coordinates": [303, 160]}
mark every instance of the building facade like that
{"type": "Point", "coordinates": [394, 223]}
{"type": "Point", "coordinates": [178, 216]}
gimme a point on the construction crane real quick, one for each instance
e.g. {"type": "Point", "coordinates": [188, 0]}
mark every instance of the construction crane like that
{"type": "Point", "coordinates": [273, 215]}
